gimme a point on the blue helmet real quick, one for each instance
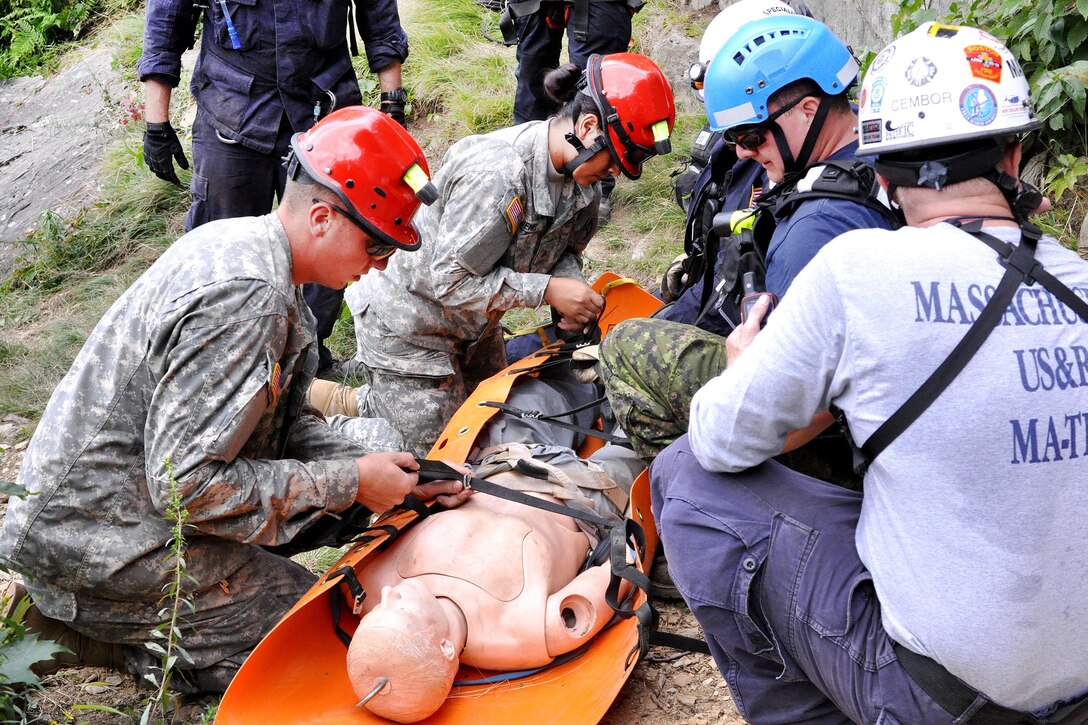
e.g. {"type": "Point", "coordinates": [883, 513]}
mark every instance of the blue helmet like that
{"type": "Point", "coordinates": [763, 57]}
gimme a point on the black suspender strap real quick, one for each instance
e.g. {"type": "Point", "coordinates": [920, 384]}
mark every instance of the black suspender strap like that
{"type": "Point", "coordinates": [1052, 284]}
{"type": "Point", "coordinates": [1019, 267]}
{"type": "Point", "coordinates": [579, 20]}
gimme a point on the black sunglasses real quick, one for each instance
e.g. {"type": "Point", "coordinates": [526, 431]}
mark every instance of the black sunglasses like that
{"type": "Point", "coordinates": [752, 137]}
{"type": "Point", "coordinates": [378, 251]}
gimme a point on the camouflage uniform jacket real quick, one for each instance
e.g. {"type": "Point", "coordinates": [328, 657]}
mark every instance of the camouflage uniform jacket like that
{"type": "Point", "coordinates": [203, 362]}
{"type": "Point", "coordinates": [491, 243]}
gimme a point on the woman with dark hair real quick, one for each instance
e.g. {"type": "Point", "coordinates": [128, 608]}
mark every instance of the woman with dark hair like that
{"type": "Point", "coordinates": [515, 211]}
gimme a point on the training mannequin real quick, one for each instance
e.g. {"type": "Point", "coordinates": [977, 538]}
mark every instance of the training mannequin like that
{"type": "Point", "coordinates": [517, 600]}
{"type": "Point", "coordinates": [494, 584]}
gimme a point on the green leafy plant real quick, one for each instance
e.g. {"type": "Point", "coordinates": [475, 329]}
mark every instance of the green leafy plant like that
{"type": "Point", "coordinates": [1048, 39]}
{"type": "Point", "coordinates": [1064, 173]}
{"type": "Point", "coordinates": [34, 32]}
{"type": "Point", "coordinates": [19, 649]}
{"type": "Point", "coordinates": [166, 638]}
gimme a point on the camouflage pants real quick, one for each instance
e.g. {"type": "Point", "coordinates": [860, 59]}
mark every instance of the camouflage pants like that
{"type": "Point", "coordinates": [419, 406]}
{"type": "Point", "coordinates": [229, 618]}
{"type": "Point", "coordinates": [651, 370]}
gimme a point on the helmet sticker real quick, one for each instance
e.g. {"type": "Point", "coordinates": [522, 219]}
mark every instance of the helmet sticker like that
{"type": "Point", "coordinates": [985, 62]}
{"type": "Point", "coordinates": [871, 131]}
{"type": "Point", "coordinates": [978, 105]}
{"type": "Point", "coordinates": [882, 60]}
{"type": "Point", "coordinates": [920, 71]}
{"type": "Point", "coordinates": [877, 94]}
{"type": "Point", "coordinates": [903, 129]}
{"type": "Point", "coordinates": [1015, 106]}
{"type": "Point", "coordinates": [923, 100]}
{"type": "Point", "coordinates": [943, 31]}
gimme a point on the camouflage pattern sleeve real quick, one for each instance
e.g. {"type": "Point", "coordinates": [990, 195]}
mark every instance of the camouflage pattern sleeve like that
{"type": "Point", "coordinates": [569, 265]}
{"type": "Point", "coordinates": [223, 389]}
{"type": "Point", "coordinates": [482, 211]}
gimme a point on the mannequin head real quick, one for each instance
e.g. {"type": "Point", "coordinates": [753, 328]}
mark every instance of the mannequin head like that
{"type": "Point", "coordinates": [406, 639]}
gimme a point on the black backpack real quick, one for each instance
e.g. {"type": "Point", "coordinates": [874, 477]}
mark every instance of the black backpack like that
{"type": "Point", "coordinates": [746, 236]}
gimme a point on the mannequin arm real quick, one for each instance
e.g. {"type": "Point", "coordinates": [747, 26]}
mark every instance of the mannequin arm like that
{"type": "Point", "coordinates": [579, 611]}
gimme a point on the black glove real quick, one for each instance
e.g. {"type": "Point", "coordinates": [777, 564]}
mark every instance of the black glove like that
{"type": "Point", "coordinates": [161, 142]}
{"type": "Point", "coordinates": [675, 279]}
{"type": "Point", "coordinates": [392, 104]}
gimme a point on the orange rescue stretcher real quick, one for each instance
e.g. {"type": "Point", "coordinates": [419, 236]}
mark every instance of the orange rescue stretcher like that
{"type": "Point", "coordinates": [298, 672]}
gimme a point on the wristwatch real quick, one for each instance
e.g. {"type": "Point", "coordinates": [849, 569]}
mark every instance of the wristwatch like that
{"type": "Point", "coordinates": [398, 96]}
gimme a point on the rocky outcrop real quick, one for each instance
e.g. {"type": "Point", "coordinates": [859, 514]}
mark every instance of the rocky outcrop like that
{"type": "Point", "coordinates": [54, 132]}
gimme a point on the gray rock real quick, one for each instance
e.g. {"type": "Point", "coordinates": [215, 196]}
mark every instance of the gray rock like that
{"type": "Point", "coordinates": [53, 136]}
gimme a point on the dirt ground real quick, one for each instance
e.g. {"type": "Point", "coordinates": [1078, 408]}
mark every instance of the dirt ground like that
{"type": "Point", "coordinates": [667, 688]}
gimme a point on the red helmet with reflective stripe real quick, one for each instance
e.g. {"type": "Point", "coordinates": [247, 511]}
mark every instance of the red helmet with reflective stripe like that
{"type": "Point", "coordinates": [374, 166]}
{"type": "Point", "coordinates": [636, 106]}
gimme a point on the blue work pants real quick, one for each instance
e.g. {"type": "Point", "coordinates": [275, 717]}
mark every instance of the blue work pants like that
{"type": "Point", "coordinates": [231, 180]}
{"type": "Point", "coordinates": [766, 560]}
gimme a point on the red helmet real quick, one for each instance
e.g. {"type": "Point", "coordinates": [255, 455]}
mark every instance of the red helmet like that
{"type": "Point", "coordinates": [374, 166]}
{"type": "Point", "coordinates": [635, 101]}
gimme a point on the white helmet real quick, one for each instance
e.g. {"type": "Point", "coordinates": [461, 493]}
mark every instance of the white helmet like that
{"type": "Point", "coordinates": [723, 26]}
{"type": "Point", "coordinates": [938, 85]}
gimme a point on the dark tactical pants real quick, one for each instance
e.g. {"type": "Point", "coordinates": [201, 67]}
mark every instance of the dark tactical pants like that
{"type": "Point", "coordinates": [540, 44]}
{"type": "Point", "coordinates": [651, 370]}
{"type": "Point", "coordinates": [766, 561]}
{"type": "Point", "coordinates": [231, 180]}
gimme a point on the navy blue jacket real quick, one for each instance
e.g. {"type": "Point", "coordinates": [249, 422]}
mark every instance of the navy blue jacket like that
{"type": "Point", "coordinates": [291, 54]}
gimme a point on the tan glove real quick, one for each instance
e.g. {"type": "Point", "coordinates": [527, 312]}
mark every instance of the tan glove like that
{"type": "Point", "coordinates": [583, 364]}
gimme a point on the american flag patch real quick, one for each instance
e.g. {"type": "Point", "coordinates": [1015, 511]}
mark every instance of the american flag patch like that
{"type": "Point", "coordinates": [757, 191]}
{"type": "Point", "coordinates": [515, 212]}
{"type": "Point", "coordinates": [275, 384]}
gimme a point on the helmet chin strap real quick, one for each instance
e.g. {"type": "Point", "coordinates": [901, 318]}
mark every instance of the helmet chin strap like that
{"type": "Point", "coordinates": [790, 164]}
{"type": "Point", "coordinates": [973, 162]}
{"type": "Point", "coordinates": [1023, 198]}
{"type": "Point", "coordinates": [584, 154]}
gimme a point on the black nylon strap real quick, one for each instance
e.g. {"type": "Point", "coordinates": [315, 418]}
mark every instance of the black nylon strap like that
{"type": "Point", "coordinates": [679, 641]}
{"type": "Point", "coordinates": [554, 419]}
{"type": "Point", "coordinates": [947, 691]}
{"type": "Point", "coordinates": [1055, 286]}
{"type": "Point", "coordinates": [348, 578]}
{"type": "Point", "coordinates": [437, 471]}
{"type": "Point", "coordinates": [506, 27]}
{"type": "Point", "coordinates": [1019, 268]}
{"type": "Point", "coordinates": [955, 696]}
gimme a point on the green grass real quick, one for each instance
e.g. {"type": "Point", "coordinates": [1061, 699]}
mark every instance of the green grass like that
{"type": "Point", "coordinates": [68, 273]}
{"type": "Point", "coordinates": [320, 560]}
{"type": "Point", "coordinates": [459, 82]}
